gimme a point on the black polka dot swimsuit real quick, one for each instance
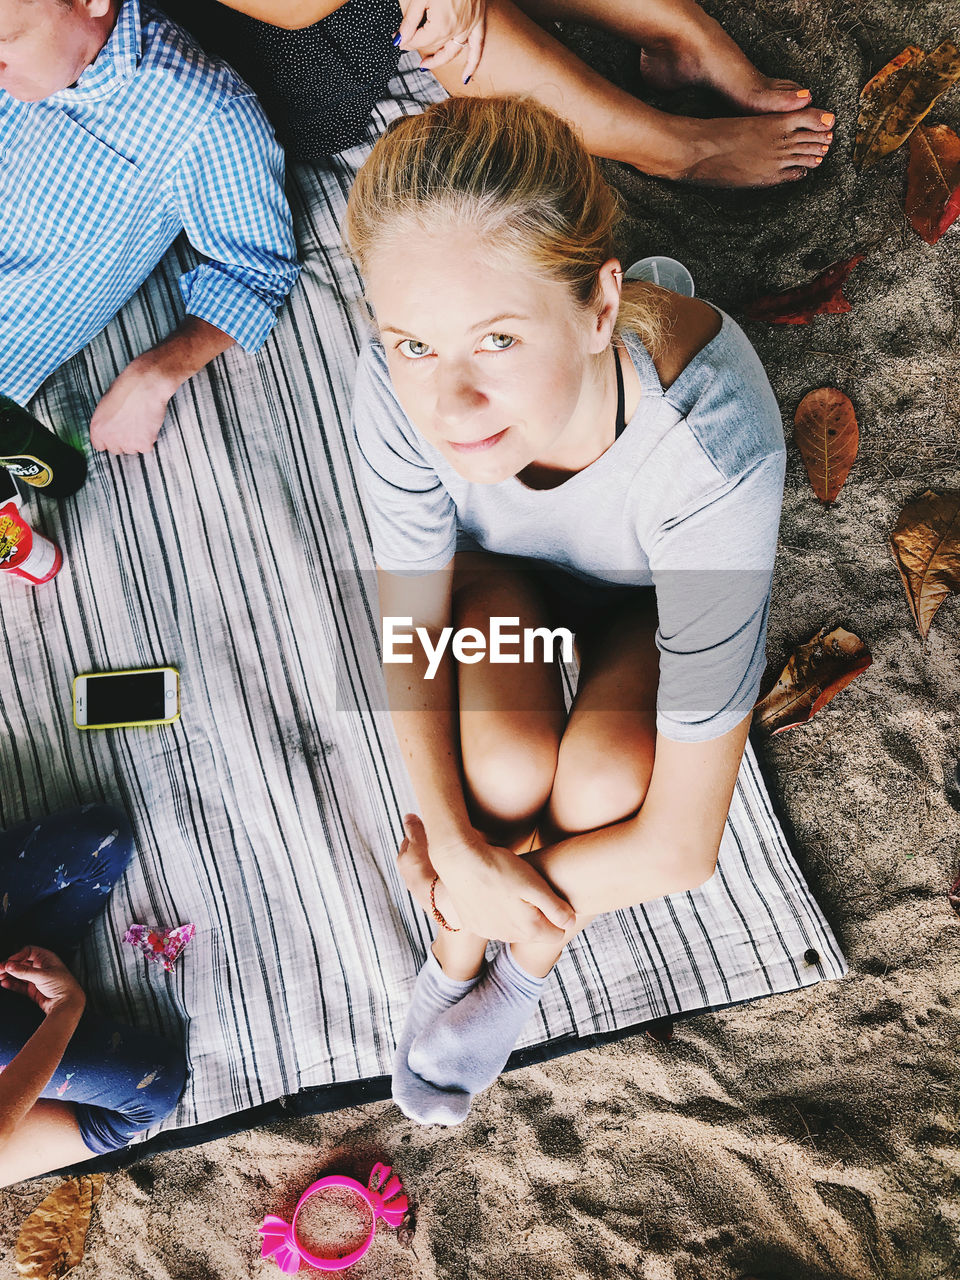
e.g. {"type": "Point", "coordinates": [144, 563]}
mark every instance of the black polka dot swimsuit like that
{"type": "Point", "coordinates": [317, 85]}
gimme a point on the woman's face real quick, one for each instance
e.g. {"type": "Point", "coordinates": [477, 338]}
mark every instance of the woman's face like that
{"type": "Point", "coordinates": [495, 366]}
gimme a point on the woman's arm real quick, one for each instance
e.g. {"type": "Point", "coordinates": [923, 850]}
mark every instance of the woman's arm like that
{"type": "Point", "coordinates": [45, 979]}
{"type": "Point", "coordinates": [669, 846]}
{"type": "Point", "coordinates": [507, 897]}
{"type": "Point", "coordinates": [292, 15]}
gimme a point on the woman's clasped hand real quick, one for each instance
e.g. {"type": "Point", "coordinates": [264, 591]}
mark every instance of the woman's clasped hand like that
{"type": "Point", "coordinates": [440, 31]}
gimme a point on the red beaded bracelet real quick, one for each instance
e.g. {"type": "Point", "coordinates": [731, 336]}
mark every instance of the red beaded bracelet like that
{"type": "Point", "coordinates": [436, 910]}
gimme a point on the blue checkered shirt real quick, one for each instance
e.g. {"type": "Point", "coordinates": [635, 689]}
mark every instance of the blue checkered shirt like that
{"type": "Point", "coordinates": [98, 180]}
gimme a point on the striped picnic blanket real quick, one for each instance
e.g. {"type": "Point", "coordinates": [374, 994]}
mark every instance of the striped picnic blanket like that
{"type": "Point", "coordinates": [269, 815]}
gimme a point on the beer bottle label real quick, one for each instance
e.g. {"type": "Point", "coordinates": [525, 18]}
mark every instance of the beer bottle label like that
{"type": "Point", "coordinates": [29, 469]}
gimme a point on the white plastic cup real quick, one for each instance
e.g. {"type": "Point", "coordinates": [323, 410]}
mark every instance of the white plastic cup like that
{"type": "Point", "coordinates": [668, 273]}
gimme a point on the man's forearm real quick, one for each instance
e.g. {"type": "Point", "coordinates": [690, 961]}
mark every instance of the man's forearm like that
{"type": "Point", "coordinates": [191, 346]}
{"type": "Point", "coordinates": [26, 1077]}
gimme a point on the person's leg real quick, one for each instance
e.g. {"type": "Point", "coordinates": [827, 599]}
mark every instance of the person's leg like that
{"type": "Point", "coordinates": [48, 1139]}
{"type": "Point", "coordinates": [604, 768]}
{"type": "Point", "coordinates": [520, 57]}
{"type": "Point", "coordinates": [56, 875]}
{"type": "Point", "coordinates": [113, 1081]}
{"type": "Point", "coordinates": [681, 45]}
{"type": "Point", "coordinates": [511, 719]}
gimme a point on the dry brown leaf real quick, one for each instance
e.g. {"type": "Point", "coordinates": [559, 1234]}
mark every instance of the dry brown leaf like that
{"type": "Point", "coordinates": [827, 435]}
{"type": "Point", "coordinates": [51, 1240]}
{"type": "Point", "coordinates": [925, 545]}
{"type": "Point", "coordinates": [899, 96]}
{"type": "Point", "coordinates": [823, 295]}
{"type": "Point", "coordinates": [933, 181]}
{"type": "Point", "coordinates": [814, 675]}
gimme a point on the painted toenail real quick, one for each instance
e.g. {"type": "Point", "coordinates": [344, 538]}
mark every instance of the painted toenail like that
{"type": "Point", "coordinates": [827, 119]}
{"type": "Point", "coordinates": [803, 93]}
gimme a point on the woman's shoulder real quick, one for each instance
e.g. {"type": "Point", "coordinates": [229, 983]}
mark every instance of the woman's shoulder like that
{"type": "Point", "coordinates": [689, 325]}
{"type": "Point", "coordinates": [712, 375]}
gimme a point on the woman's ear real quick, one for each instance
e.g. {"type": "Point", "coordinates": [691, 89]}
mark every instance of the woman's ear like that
{"type": "Point", "coordinates": [610, 281]}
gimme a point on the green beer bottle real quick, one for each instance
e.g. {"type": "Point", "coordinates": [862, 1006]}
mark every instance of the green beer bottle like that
{"type": "Point", "coordinates": [35, 455]}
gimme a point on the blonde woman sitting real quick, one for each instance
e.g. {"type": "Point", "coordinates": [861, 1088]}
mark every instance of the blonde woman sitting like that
{"type": "Point", "coordinates": [543, 445]}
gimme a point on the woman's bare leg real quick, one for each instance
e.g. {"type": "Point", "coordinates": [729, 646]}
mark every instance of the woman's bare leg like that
{"type": "Point", "coordinates": [520, 57]}
{"type": "Point", "coordinates": [511, 721]}
{"type": "Point", "coordinates": [681, 45]}
{"type": "Point", "coordinates": [465, 1047]}
{"type": "Point", "coordinates": [603, 770]}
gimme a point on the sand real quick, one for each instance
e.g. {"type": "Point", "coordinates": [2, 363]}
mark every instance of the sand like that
{"type": "Point", "coordinates": [807, 1136]}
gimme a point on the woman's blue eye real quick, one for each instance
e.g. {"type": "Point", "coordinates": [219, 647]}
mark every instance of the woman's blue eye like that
{"type": "Point", "coordinates": [412, 349]}
{"type": "Point", "coordinates": [497, 342]}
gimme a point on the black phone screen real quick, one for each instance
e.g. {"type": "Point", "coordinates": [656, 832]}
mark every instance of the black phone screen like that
{"type": "Point", "coordinates": [122, 699]}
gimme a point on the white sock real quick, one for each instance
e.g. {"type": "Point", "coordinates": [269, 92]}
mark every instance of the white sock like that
{"type": "Point", "coordinates": [433, 994]}
{"type": "Point", "coordinates": [467, 1046]}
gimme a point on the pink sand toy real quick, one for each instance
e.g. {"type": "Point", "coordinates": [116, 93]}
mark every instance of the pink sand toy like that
{"type": "Point", "coordinates": [383, 1196]}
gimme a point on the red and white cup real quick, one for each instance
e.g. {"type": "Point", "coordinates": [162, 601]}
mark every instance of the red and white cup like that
{"type": "Point", "coordinates": [25, 552]}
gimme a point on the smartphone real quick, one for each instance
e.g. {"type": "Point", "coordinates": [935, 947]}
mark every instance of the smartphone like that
{"type": "Point", "coordinates": [126, 699]}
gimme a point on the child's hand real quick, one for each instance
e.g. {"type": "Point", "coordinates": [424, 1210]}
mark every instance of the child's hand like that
{"type": "Point", "coordinates": [42, 977]}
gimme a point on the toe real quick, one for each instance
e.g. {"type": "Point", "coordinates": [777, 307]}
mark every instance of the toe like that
{"type": "Point", "coordinates": [813, 119]}
{"type": "Point", "coordinates": [782, 95]}
{"type": "Point", "coordinates": [805, 136]}
{"type": "Point", "coordinates": [806, 160]}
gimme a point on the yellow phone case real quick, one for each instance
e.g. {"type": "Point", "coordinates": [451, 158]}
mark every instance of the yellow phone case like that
{"type": "Point", "coordinates": [125, 724]}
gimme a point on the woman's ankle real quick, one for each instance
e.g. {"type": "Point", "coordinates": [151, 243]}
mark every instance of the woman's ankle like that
{"type": "Point", "coordinates": [460, 957]}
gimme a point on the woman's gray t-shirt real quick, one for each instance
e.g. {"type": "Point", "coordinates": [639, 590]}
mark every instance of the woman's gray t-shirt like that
{"type": "Point", "coordinates": [687, 499]}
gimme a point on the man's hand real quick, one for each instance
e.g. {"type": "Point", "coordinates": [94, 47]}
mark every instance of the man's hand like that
{"type": "Point", "coordinates": [441, 30]}
{"type": "Point", "coordinates": [129, 417]}
{"type": "Point", "coordinates": [43, 978]}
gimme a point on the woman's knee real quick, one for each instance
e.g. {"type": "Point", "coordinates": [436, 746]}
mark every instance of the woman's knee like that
{"type": "Point", "coordinates": [510, 775]}
{"type": "Point", "coordinates": [596, 786]}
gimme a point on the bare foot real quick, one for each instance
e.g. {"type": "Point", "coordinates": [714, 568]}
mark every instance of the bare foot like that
{"type": "Point", "coordinates": [703, 53]}
{"type": "Point", "coordinates": [756, 151]}
{"type": "Point", "coordinates": [416, 869]}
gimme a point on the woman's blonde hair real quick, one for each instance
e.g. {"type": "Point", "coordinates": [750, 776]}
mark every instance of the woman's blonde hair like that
{"type": "Point", "coordinates": [515, 173]}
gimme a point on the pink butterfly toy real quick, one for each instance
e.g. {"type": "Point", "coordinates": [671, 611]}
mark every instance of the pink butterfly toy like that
{"type": "Point", "coordinates": [161, 946]}
{"type": "Point", "coordinates": [382, 1196]}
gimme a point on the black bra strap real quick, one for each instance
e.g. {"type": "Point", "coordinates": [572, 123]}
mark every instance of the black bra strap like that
{"type": "Point", "coordinates": [621, 406]}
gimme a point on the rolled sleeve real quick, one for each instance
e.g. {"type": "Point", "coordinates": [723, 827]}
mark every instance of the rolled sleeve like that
{"type": "Point", "coordinates": [229, 194]}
